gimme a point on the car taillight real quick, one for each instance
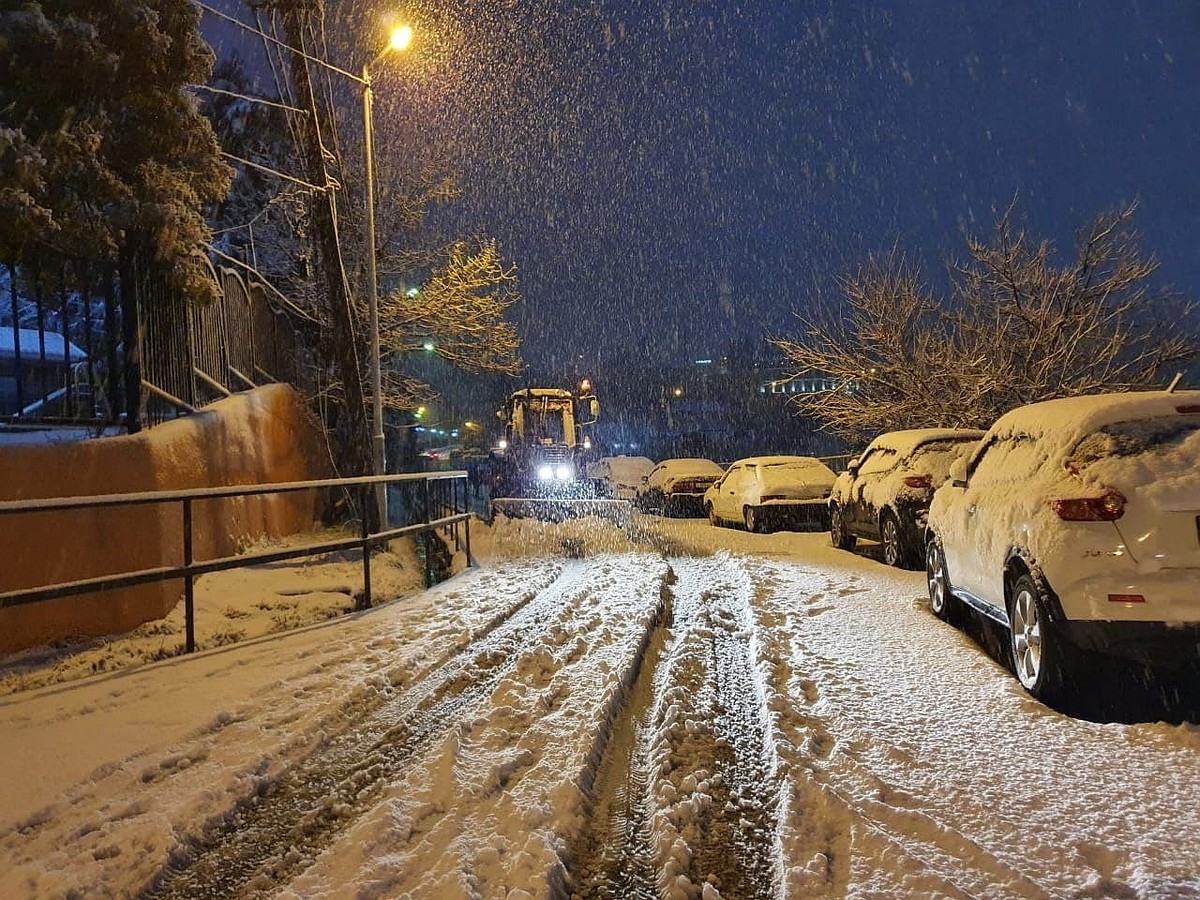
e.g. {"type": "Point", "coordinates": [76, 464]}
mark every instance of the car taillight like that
{"type": "Point", "coordinates": [918, 481]}
{"type": "Point", "coordinates": [1126, 598]}
{"type": "Point", "coordinates": [1107, 508]}
{"type": "Point", "coordinates": [773, 497]}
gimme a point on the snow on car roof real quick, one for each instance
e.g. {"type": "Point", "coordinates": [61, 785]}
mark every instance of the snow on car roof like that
{"type": "Point", "coordinates": [778, 461]}
{"type": "Point", "coordinates": [1072, 418]}
{"type": "Point", "coordinates": [907, 440]}
{"type": "Point", "coordinates": [688, 464]}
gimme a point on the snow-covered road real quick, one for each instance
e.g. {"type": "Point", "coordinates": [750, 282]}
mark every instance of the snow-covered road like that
{"type": "Point", "coordinates": [687, 712]}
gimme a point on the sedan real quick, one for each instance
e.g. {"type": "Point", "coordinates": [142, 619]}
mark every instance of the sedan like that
{"type": "Point", "coordinates": [766, 492]}
{"type": "Point", "coordinates": [675, 487]}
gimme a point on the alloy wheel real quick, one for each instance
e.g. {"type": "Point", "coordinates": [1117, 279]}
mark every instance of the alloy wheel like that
{"type": "Point", "coordinates": [939, 589]}
{"type": "Point", "coordinates": [1026, 637]}
{"type": "Point", "coordinates": [891, 540]}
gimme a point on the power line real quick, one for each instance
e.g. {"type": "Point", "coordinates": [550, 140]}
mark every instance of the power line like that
{"type": "Point", "coordinates": [263, 100]}
{"type": "Point", "coordinates": [330, 185]}
{"type": "Point", "coordinates": [266, 37]}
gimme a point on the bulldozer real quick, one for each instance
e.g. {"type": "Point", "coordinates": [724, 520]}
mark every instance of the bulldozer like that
{"type": "Point", "coordinates": [539, 468]}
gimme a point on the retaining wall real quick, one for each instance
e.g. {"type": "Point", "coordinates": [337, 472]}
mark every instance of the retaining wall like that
{"type": "Point", "coordinates": [265, 435]}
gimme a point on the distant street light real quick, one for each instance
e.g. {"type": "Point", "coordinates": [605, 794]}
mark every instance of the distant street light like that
{"type": "Point", "coordinates": [399, 40]}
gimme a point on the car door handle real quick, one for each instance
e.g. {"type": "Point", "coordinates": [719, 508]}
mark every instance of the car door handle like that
{"type": "Point", "coordinates": [971, 510]}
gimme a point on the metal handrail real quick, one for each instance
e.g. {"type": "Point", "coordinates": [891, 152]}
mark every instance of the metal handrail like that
{"type": "Point", "coordinates": [189, 570]}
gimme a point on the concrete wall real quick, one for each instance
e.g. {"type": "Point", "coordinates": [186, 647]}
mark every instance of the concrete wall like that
{"type": "Point", "coordinates": [266, 435]}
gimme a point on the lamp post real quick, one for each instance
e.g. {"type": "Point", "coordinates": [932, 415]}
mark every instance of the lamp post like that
{"type": "Point", "coordinates": [400, 38]}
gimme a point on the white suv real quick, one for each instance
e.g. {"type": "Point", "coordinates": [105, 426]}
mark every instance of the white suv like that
{"type": "Point", "coordinates": [1076, 526]}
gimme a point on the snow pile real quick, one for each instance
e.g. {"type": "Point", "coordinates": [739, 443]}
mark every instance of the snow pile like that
{"type": "Point", "coordinates": [522, 537]}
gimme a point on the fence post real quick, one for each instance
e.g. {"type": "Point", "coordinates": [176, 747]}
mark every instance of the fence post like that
{"type": "Point", "coordinates": [189, 581]}
{"type": "Point", "coordinates": [365, 599]}
{"type": "Point", "coordinates": [428, 535]}
{"type": "Point", "coordinates": [467, 532]}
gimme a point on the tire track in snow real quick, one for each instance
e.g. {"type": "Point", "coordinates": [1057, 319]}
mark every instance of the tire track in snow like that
{"type": "Point", "coordinates": [685, 795]}
{"type": "Point", "coordinates": [822, 772]}
{"type": "Point", "coordinates": [279, 831]}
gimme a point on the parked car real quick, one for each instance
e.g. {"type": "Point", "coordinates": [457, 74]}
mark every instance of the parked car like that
{"type": "Point", "coordinates": [1076, 526]}
{"type": "Point", "coordinates": [766, 492]}
{"type": "Point", "coordinates": [619, 477]}
{"type": "Point", "coordinates": [675, 487]}
{"type": "Point", "coordinates": [884, 494]}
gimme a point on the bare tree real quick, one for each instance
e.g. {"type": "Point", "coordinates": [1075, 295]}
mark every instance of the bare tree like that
{"type": "Point", "coordinates": [1014, 329]}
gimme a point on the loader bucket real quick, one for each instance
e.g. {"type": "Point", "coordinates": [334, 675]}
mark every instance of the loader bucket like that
{"type": "Point", "coordinates": [557, 509]}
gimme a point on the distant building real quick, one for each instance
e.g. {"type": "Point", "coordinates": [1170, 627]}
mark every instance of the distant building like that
{"type": "Point", "coordinates": [47, 365]}
{"type": "Point", "coordinates": [807, 384]}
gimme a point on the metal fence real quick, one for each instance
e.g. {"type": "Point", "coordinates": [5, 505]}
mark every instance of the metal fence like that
{"type": "Point", "coordinates": [438, 501]}
{"type": "Point", "coordinates": [64, 359]}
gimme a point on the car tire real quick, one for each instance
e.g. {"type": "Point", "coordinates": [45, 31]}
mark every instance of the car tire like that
{"type": "Point", "coordinates": [712, 516]}
{"type": "Point", "coordinates": [942, 602]}
{"type": "Point", "coordinates": [895, 549]}
{"type": "Point", "coordinates": [750, 518]}
{"type": "Point", "coordinates": [838, 535]}
{"type": "Point", "coordinates": [1041, 659]}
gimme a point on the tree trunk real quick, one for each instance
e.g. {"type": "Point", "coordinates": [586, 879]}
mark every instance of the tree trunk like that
{"type": "Point", "coordinates": [131, 337]}
{"type": "Point", "coordinates": [111, 385]}
{"type": "Point", "coordinates": [295, 16]}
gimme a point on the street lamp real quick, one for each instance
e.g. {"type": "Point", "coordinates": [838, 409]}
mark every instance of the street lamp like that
{"type": "Point", "coordinates": [399, 40]}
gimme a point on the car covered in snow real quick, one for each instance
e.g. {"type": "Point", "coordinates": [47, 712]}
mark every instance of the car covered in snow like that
{"type": "Point", "coordinates": [884, 493]}
{"type": "Point", "coordinates": [766, 492]}
{"type": "Point", "coordinates": [675, 487]}
{"type": "Point", "coordinates": [1076, 526]}
{"type": "Point", "coordinates": [619, 477]}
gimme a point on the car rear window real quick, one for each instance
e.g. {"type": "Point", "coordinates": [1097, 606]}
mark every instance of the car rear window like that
{"type": "Point", "coordinates": [792, 466]}
{"type": "Point", "coordinates": [1125, 439]}
{"type": "Point", "coordinates": [936, 457]}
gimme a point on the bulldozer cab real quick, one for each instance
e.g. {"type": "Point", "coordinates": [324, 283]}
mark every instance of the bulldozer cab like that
{"type": "Point", "coordinates": [541, 417]}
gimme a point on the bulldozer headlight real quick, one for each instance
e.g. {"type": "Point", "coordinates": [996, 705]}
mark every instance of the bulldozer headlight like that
{"type": "Point", "coordinates": [545, 473]}
{"type": "Point", "coordinates": [563, 473]}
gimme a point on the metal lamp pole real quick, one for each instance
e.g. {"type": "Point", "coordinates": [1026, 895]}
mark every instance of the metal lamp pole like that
{"type": "Point", "coordinates": [378, 462]}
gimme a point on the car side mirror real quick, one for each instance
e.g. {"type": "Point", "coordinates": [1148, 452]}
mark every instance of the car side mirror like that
{"type": "Point", "coordinates": [958, 473]}
{"type": "Point", "coordinates": [644, 479]}
{"type": "Point", "coordinates": [852, 466]}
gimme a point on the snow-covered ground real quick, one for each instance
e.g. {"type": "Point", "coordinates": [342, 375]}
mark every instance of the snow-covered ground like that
{"type": "Point", "coordinates": [675, 711]}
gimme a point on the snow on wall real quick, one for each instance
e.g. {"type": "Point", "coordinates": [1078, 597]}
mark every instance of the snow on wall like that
{"type": "Point", "coordinates": [263, 435]}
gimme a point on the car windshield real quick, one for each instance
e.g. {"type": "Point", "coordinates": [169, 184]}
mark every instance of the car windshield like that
{"type": "Point", "coordinates": [1126, 439]}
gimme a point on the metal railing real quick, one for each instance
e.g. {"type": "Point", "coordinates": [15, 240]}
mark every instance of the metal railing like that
{"type": "Point", "coordinates": [437, 506]}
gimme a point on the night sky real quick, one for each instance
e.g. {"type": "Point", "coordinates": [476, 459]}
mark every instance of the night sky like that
{"type": "Point", "coordinates": [671, 175]}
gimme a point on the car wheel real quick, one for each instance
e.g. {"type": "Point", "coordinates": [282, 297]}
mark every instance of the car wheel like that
{"type": "Point", "coordinates": [751, 518]}
{"type": "Point", "coordinates": [712, 516]}
{"type": "Point", "coordinates": [895, 548]}
{"type": "Point", "coordinates": [838, 535]}
{"type": "Point", "coordinates": [1041, 659]}
{"type": "Point", "coordinates": [941, 600]}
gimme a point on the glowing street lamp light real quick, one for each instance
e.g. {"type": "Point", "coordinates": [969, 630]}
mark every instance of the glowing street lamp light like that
{"type": "Point", "coordinates": [399, 40]}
